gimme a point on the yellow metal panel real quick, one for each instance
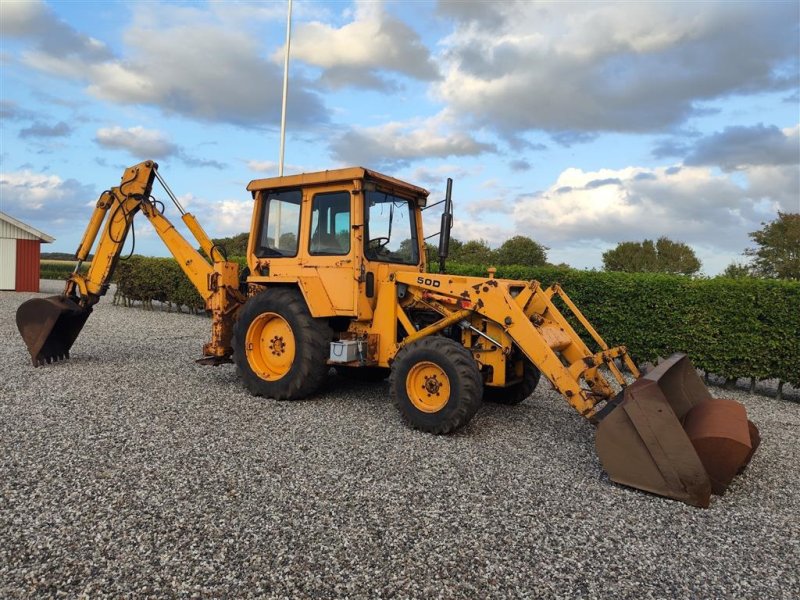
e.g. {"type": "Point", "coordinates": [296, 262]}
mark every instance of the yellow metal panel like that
{"type": "Point", "coordinates": [339, 284]}
{"type": "Point", "coordinates": [319, 303]}
{"type": "Point", "coordinates": [305, 179]}
{"type": "Point", "coordinates": [555, 337]}
{"type": "Point", "coordinates": [201, 236]}
{"type": "Point", "coordinates": [331, 177]}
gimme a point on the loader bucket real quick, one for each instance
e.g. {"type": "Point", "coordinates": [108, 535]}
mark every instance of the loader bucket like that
{"type": "Point", "coordinates": [666, 435]}
{"type": "Point", "coordinates": [49, 327]}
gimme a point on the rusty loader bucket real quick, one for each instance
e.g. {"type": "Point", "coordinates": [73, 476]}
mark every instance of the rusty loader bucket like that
{"type": "Point", "coordinates": [666, 435]}
{"type": "Point", "coordinates": [49, 327]}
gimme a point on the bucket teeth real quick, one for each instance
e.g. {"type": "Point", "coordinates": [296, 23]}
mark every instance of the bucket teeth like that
{"type": "Point", "coordinates": [49, 327]}
{"type": "Point", "coordinates": [49, 359]}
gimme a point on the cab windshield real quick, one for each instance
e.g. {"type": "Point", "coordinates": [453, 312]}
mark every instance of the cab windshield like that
{"type": "Point", "coordinates": [391, 234]}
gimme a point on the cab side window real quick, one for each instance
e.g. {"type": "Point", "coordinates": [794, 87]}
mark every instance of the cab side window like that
{"type": "Point", "coordinates": [330, 224]}
{"type": "Point", "coordinates": [280, 227]}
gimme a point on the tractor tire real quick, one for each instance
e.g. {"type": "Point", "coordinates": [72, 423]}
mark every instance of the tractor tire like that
{"type": "Point", "coordinates": [436, 385]}
{"type": "Point", "coordinates": [280, 350]}
{"type": "Point", "coordinates": [515, 393]}
{"type": "Point", "coordinates": [363, 374]}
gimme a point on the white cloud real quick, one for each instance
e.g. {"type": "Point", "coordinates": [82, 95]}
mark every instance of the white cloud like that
{"type": "Point", "coordinates": [140, 142]}
{"type": "Point", "coordinates": [776, 185]}
{"type": "Point", "coordinates": [145, 144]}
{"type": "Point", "coordinates": [263, 166]}
{"type": "Point", "coordinates": [584, 213]}
{"type": "Point", "coordinates": [270, 167]}
{"type": "Point", "coordinates": [220, 218]}
{"type": "Point", "coordinates": [199, 65]}
{"type": "Point", "coordinates": [739, 147]}
{"type": "Point", "coordinates": [47, 202]}
{"type": "Point", "coordinates": [356, 53]}
{"type": "Point", "coordinates": [494, 206]}
{"type": "Point", "coordinates": [36, 21]}
{"type": "Point", "coordinates": [494, 235]}
{"type": "Point", "coordinates": [43, 130]}
{"type": "Point", "coordinates": [611, 66]}
{"type": "Point", "coordinates": [397, 143]}
{"type": "Point", "coordinates": [233, 216]}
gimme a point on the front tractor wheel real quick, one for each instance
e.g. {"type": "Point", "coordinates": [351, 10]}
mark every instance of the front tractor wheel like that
{"type": "Point", "coordinates": [279, 349]}
{"type": "Point", "coordinates": [436, 384]}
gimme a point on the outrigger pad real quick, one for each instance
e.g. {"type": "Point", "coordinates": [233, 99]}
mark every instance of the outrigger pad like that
{"type": "Point", "coordinates": [668, 436]}
{"type": "Point", "coordinates": [49, 327]}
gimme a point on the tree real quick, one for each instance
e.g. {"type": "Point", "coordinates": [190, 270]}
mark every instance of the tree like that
{"type": "Point", "coordinates": [521, 250]}
{"type": "Point", "coordinates": [676, 257]}
{"type": "Point", "coordinates": [736, 271]}
{"type": "Point", "coordinates": [778, 251]}
{"type": "Point", "coordinates": [473, 252]}
{"type": "Point", "coordinates": [235, 245]}
{"type": "Point", "coordinates": [631, 257]}
{"type": "Point", "coordinates": [432, 250]}
{"type": "Point", "coordinates": [664, 256]}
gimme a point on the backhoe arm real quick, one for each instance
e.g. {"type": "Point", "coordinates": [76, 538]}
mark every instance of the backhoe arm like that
{"type": "Point", "coordinates": [117, 208]}
{"type": "Point", "coordinates": [50, 326]}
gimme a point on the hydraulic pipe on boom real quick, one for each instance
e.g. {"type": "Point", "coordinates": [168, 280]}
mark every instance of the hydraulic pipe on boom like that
{"type": "Point", "coordinates": [49, 326]}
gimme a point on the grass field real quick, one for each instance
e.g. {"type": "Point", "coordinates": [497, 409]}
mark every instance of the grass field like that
{"type": "Point", "coordinates": [59, 269]}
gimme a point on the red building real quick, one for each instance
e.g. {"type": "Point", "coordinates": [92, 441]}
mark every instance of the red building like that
{"type": "Point", "coordinates": [19, 254]}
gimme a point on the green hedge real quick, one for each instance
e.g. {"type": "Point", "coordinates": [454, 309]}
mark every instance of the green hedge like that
{"type": "Point", "coordinates": [143, 279]}
{"type": "Point", "coordinates": [729, 327]}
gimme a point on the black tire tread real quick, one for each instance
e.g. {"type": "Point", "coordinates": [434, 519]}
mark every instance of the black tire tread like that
{"type": "Point", "coordinates": [312, 338]}
{"type": "Point", "coordinates": [516, 393]}
{"type": "Point", "coordinates": [469, 380]}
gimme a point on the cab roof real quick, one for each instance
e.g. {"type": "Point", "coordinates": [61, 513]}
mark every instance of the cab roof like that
{"type": "Point", "coordinates": [333, 176]}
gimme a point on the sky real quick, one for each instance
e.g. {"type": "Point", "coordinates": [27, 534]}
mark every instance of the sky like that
{"type": "Point", "coordinates": [578, 124]}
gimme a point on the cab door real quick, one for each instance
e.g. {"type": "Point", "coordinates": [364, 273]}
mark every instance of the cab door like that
{"type": "Point", "coordinates": [329, 248]}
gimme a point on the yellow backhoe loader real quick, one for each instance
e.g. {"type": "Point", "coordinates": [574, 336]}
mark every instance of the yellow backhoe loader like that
{"type": "Point", "coordinates": [337, 276]}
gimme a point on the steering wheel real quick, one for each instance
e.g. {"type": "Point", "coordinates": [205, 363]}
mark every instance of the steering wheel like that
{"type": "Point", "coordinates": [378, 242]}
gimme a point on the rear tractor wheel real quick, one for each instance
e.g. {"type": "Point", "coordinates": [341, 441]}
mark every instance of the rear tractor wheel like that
{"type": "Point", "coordinates": [436, 385]}
{"type": "Point", "coordinates": [279, 349]}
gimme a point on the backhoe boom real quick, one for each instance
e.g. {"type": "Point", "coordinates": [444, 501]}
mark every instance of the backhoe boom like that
{"type": "Point", "coordinates": [49, 326]}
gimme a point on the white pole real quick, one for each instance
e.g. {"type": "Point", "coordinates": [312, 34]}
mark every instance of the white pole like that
{"type": "Point", "coordinates": [285, 86]}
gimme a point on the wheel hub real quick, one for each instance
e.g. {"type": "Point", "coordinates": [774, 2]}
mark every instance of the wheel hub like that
{"type": "Point", "coordinates": [270, 346]}
{"type": "Point", "coordinates": [277, 345]}
{"type": "Point", "coordinates": [428, 387]}
{"type": "Point", "coordinates": [432, 385]}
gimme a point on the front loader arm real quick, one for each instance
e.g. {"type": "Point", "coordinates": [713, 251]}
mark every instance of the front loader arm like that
{"type": "Point", "coordinates": [524, 316]}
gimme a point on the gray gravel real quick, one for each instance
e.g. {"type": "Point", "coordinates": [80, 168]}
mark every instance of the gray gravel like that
{"type": "Point", "coordinates": [129, 471]}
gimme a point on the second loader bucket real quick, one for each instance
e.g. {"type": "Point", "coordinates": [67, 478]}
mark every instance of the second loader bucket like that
{"type": "Point", "coordinates": [49, 326]}
{"type": "Point", "coordinates": [667, 435]}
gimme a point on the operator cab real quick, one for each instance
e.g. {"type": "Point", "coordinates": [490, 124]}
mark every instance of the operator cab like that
{"type": "Point", "coordinates": [348, 228]}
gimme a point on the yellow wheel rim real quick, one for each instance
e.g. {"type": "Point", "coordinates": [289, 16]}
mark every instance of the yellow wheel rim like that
{"type": "Point", "coordinates": [270, 346]}
{"type": "Point", "coordinates": [428, 387]}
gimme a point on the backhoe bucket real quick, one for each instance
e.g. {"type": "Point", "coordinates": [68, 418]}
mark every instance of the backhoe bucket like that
{"type": "Point", "coordinates": [49, 327]}
{"type": "Point", "coordinates": [666, 435]}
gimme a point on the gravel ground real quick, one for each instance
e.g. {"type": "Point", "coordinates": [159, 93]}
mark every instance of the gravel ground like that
{"type": "Point", "coordinates": [129, 471]}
